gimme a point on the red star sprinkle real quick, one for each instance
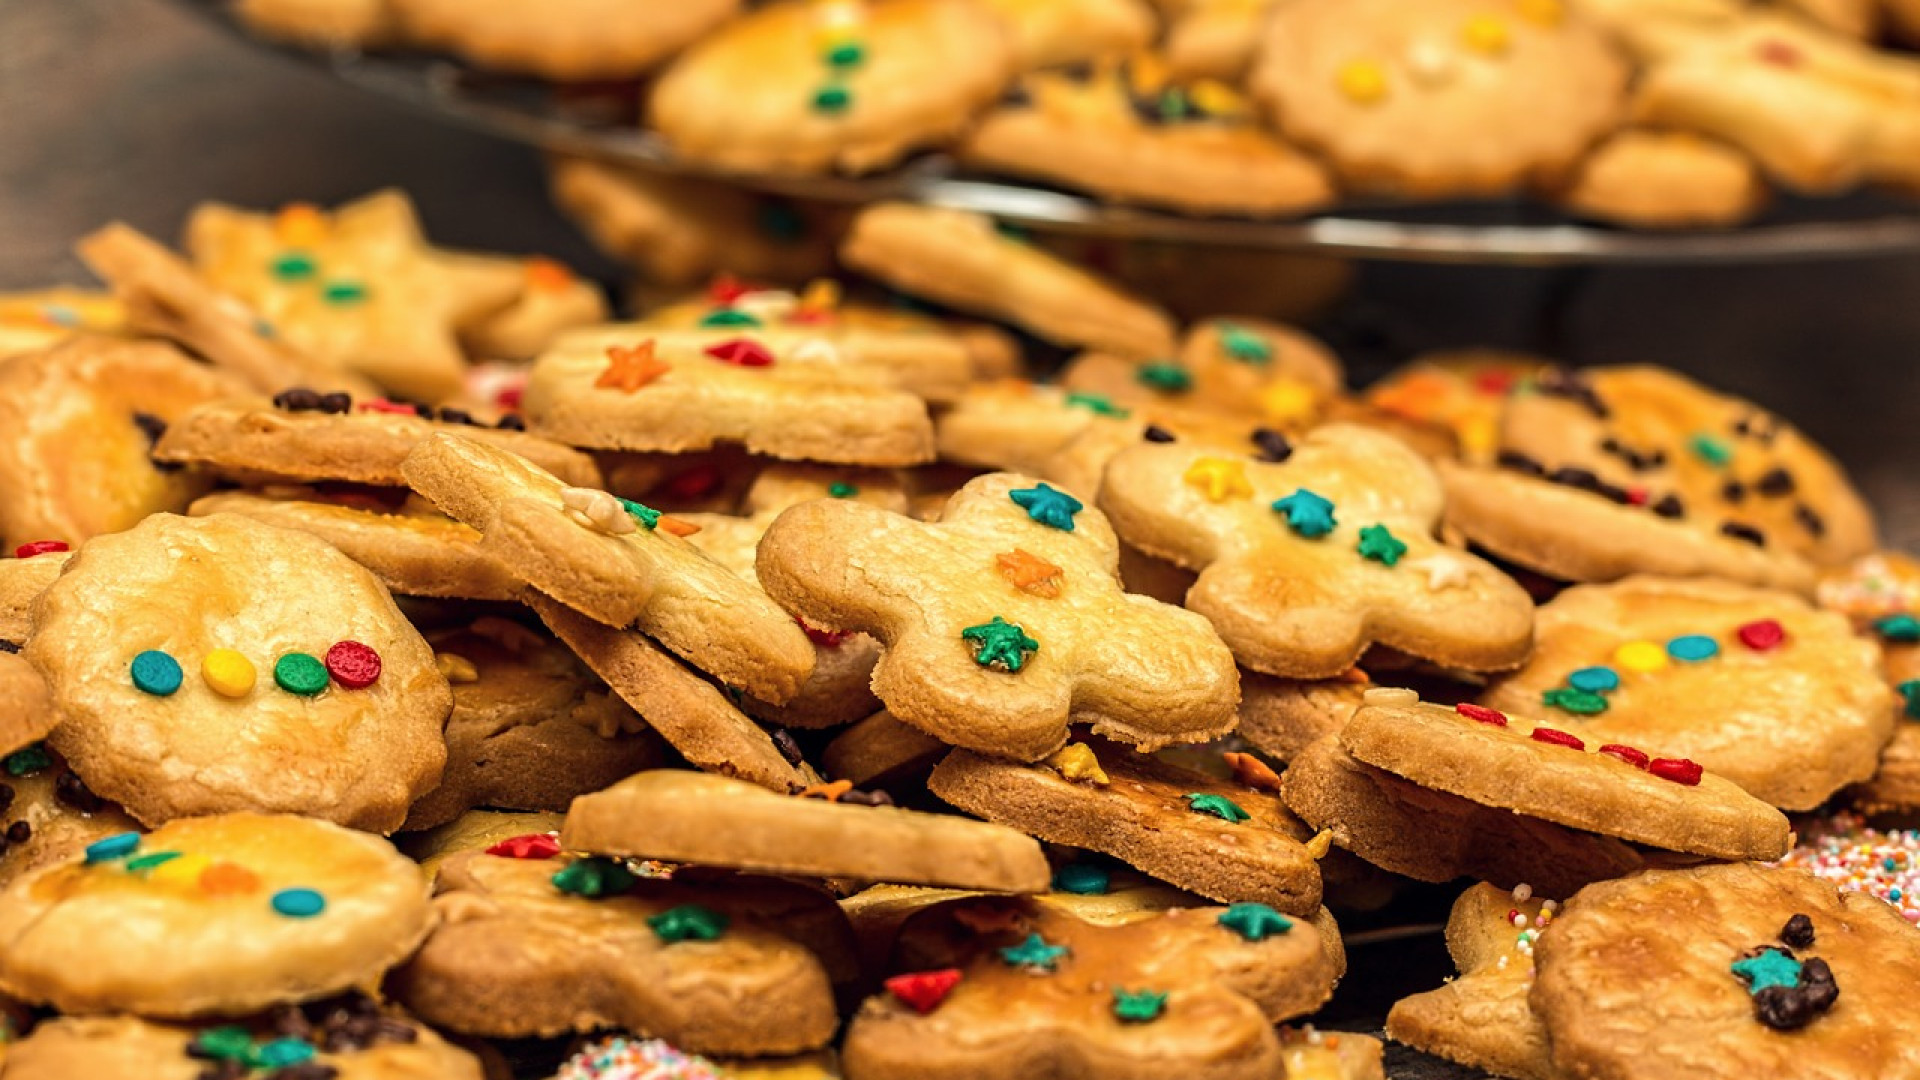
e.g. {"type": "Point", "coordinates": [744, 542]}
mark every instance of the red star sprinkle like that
{"type": "Point", "coordinates": [1762, 634]}
{"type": "Point", "coordinates": [530, 846]}
{"type": "Point", "coordinates": [741, 352]}
{"type": "Point", "coordinates": [923, 991]}
{"type": "Point", "coordinates": [1557, 738]}
{"type": "Point", "coordinates": [1678, 770]}
{"type": "Point", "coordinates": [1625, 753]}
{"type": "Point", "coordinates": [40, 547]}
{"type": "Point", "coordinates": [727, 289]}
{"type": "Point", "coordinates": [1481, 713]}
{"type": "Point", "coordinates": [1495, 382]}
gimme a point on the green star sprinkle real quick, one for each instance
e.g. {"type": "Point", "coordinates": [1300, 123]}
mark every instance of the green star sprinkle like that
{"type": "Point", "coordinates": [1033, 953]}
{"type": "Point", "coordinates": [647, 516]}
{"type": "Point", "coordinates": [1255, 922]}
{"type": "Point", "coordinates": [1244, 345]}
{"type": "Point", "coordinates": [1099, 405]}
{"type": "Point", "coordinates": [1911, 691]}
{"type": "Point", "coordinates": [1771, 968]}
{"type": "Point", "coordinates": [728, 317]}
{"type": "Point", "coordinates": [1000, 644]}
{"type": "Point", "coordinates": [1217, 805]}
{"type": "Point", "coordinates": [1138, 1006]}
{"type": "Point", "coordinates": [1164, 377]}
{"type": "Point", "coordinates": [1903, 628]}
{"type": "Point", "coordinates": [594, 878]}
{"type": "Point", "coordinates": [688, 922]}
{"type": "Point", "coordinates": [1307, 514]}
{"type": "Point", "coordinates": [1380, 545]}
{"type": "Point", "coordinates": [1048, 505]}
{"type": "Point", "coordinates": [1714, 452]}
{"type": "Point", "coordinates": [842, 490]}
{"type": "Point", "coordinates": [1082, 879]}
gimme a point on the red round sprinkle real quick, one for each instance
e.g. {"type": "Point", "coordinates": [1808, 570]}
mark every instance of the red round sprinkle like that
{"type": "Point", "coordinates": [726, 289]}
{"type": "Point", "coordinates": [1678, 770]}
{"type": "Point", "coordinates": [693, 484]}
{"type": "Point", "coordinates": [1636, 496]}
{"type": "Point", "coordinates": [1625, 753]}
{"type": "Point", "coordinates": [40, 547]}
{"type": "Point", "coordinates": [741, 352]}
{"type": "Point", "coordinates": [530, 846]}
{"type": "Point", "coordinates": [826, 639]}
{"type": "Point", "coordinates": [353, 665]}
{"type": "Point", "coordinates": [509, 397]}
{"type": "Point", "coordinates": [382, 405]}
{"type": "Point", "coordinates": [1762, 634]}
{"type": "Point", "coordinates": [1481, 713]}
{"type": "Point", "coordinates": [1557, 738]}
{"type": "Point", "coordinates": [923, 991]}
{"type": "Point", "coordinates": [1495, 381]}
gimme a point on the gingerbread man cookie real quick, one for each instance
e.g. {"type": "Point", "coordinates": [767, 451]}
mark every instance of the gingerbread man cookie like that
{"type": "Point", "coordinates": [1003, 622]}
{"type": "Point", "coordinates": [1306, 560]}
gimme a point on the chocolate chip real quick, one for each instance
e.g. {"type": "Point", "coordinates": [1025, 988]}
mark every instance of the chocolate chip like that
{"type": "Point", "coordinates": [1740, 530]}
{"type": "Point", "coordinates": [1813, 523]}
{"type": "Point", "coordinates": [1775, 482]}
{"type": "Point", "coordinates": [1669, 507]}
{"type": "Point", "coordinates": [1788, 1008]}
{"type": "Point", "coordinates": [1016, 96]}
{"type": "Point", "coordinates": [1519, 462]}
{"type": "Point", "coordinates": [9, 646]}
{"type": "Point", "coordinates": [6, 797]}
{"type": "Point", "coordinates": [1559, 382]}
{"type": "Point", "coordinates": [1274, 446]}
{"type": "Point", "coordinates": [73, 791]}
{"type": "Point", "coordinates": [150, 425]}
{"type": "Point", "coordinates": [1798, 932]}
{"type": "Point", "coordinates": [297, 399]}
{"type": "Point", "coordinates": [455, 416]}
{"type": "Point", "coordinates": [19, 832]}
{"type": "Point", "coordinates": [388, 1029]}
{"type": "Point", "coordinates": [1156, 433]}
{"type": "Point", "coordinates": [783, 740]}
{"type": "Point", "coordinates": [511, 422]}
{"type": "Point", "coordinates": [1733, 491]}
{"type": "Point", "coordinates": [335, 403]}
{"type": "Point", "coordinates": [1574, 476]}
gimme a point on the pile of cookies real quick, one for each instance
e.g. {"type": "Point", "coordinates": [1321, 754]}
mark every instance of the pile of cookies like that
{"type": "Point", "coordinates": [783, 685]}
{"type": "Point", "coordinates": [1656, 113]}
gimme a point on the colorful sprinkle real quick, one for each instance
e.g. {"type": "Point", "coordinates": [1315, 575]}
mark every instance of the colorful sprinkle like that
{"type": "Point", "coordinates": [343, 293]}
{"type": "Point", "coordinates": [923, 991]}
{"type": "Point", "coordinates": [156, 673]}
{"type": "Point", "coordinates": [229, 1042]}
{"type": "Point", "coordinates": [300, 673]}
{"type": "Point", "coordinates": [688, 922]}
{"type": "Point", "coordinates": [1000, 644]}
{"type": "Point", "coordinates": [1481, 713]}
{"type": "Point", "coordinates": [1854, 857]}
{"type": "Point", "coordinates": [282, 1053]}
{"type": "Point", "coordinates": [1711, 450]}
{"type": "Point", "coordinates": [1910, 690]}
{"type": "Point", "coordinates": [293, 266]}
{"type": "Point", "coordinates": [1380, 545]}
{"type": "Point", "coordinates": [1034, 954]}
{"type": "Point", "coordinates": [846, 54]}
{"type": "Point", "coordinates": [1903, 628]}
{"type": "Point", "coordinates": [529, 846]}
{"type": "Point", "coordinates": [1216, 806]}
{"type": "Point", "coordinates": [1219, 479]}
{"type": "Point", "coordinates": [1250, 771]}
{"type": "Point", "coordinates": [1595, 680]}
{"type": "Point", "coordinates": [1762, 635]}
{"type": "Point", "coordinates": [1577, 702]}
{"type": "Point", "coordinates": [1307, 514]}
{"type": "Point", "coordinates": [1138, 1006]}
{"type": "Point", "coordinates": [1047, 505]}
{"type": "Point", "coordinates": [1678, 770]}
{"type": "Point", "coordinates": [620, 1058]}
{"type": "Point", "coordinates": [40, 547]}
{"type": "Point", "coordinates": [299, 903]}
{"type": "Point", "coordinates": [1165, 377]}
{"type": "Point", "coordinates": [594, 878]}
{"type": "Point", "coordinates": [1244, 345]}
{"type": "Point", "coordinates": [1556, 737]}
{"type": "Point", "coordinates": [1099, 405]}
{"type": "Point", "coordinates": [1363, 81]}
{"type": "Point", "coordinates": [630, 368]}
{"type": "Point", "coordinates": [832, 98]}
{"type": "Point", "coordinates": [150, 860]}
{"type": "Point", "coordinates": [228, 673]}
{"type": "Point", "coordinates": [647, 516]}
{"type": "Point", "coordinates": [840, 489]}
{"type": "Point", "coordinates": [741, 352]}
{"type": "Point", "coordinates": [353, 665]}
{"type": "Point", "coordinates": [1082, 879]}
{"type": "Point", "coordinates": [117, 846]}
{"type": "Point", "coordinates": [27, 761]}
{"type": "Point", "coordinates": [1077, 762]}
{"type": "Point", "coordinates": [722, 317]}
{"type": "Point", "coordinates": [1628, 754]}
{"type": "Point", "coordinates": [1486, 34]}
{"type": "Point", "coordinates": [1772, 967]}
{"type": "Point", "coordinates": [1640, 656]}
{"type": "Point", "coordinates": [1029, 573]}
{"type": "Point", "coordinates": [1693, 648]}
{"type": "Point", "coordinates": [228, 879]}
{"type": "Point", "coordinates": [1255, 922]}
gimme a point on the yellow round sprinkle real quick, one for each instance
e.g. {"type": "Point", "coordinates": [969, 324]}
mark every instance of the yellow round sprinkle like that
{"type": "Point", "coordinates": [1480, 435]}
{"type": "Point", "coordinates": [228, 673]}
{"type": "Point", "coordinates": [1288, 400]}
{"type": "Point", "coordinates": [1363, 81]}
{"type": "Point", "coordinates": [1487, 34]}
{"type": "Point", "coordinates": [184, 871]}
{"type": "Point", "coordinates": [1640, 656]}
{"type": "Point", "coordinates": [1543, 12]}
{"type": "Point", "coordinates": [455, 668]}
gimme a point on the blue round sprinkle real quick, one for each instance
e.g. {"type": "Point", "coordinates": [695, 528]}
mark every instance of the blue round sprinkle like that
{"type": "Point", "coordinates": [299, 903]}
{"type": "Point", "coordinates": [1693, 648]}
{"type": "Point", "coordinates": [156, 673]}
{"type": "Point", "coordinates": [117, 846]}
{"type": "Point", "coordinates": [1594, 680]}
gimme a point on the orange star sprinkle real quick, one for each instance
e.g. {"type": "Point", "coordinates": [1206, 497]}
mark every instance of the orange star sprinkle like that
{"type": "Point", "coordinates": [1029, 572]}
{"type": "Point", "coordinates": [629, 369]}
{"type": "Point", "coordinates": [547, 275]}
{"type": "Point", "coordinates": [228, 879]}
{"type": "Point", "coordinates": [830, 792]}
{"type": "Point", "coordinates": [300, 225]}
{"type": "Point", "coordinates": [1251, 771]}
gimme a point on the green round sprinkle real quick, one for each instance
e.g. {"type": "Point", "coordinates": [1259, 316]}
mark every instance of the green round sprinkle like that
{"type": "Point", "coordinates": [299, 903]}
{"type": "Point", "coordinates": [1082, 879]}
{"type": "Point", "coordinates": [150, 860]}
{"type": "Point", "coordinates": [299, 673]}
{"type": "Point", "coordinates": [281, 1053]}
{"type": "Point", "coordinates": [293, 266]}
{"type": "Point", "coordinates": [229, 1042]}
{"type": "Point", "coordinates": [728, 317]}
{"type": "Point", "coordinates": [1138, 1006]}
{"type": "Point", "coordinates": [847, 54]}
{"type": "Point", "coordinates": [1099, 405]}
{"type": "Point", "coordinates": [1911, 691]}
{"type": "Point", "coordinates": [28, 761]}
{"type": "Point", "coordinates": [117, 846]}
{"type": "Point", "coordinates": [832, 98]}
{"type": "Point", "coordinates": [688, 922]}
{"type": "Point", "coordinates": [1244, 345]}
{"type": "Point", "coordinates": [1577, 702]}
{"type": "Point", "coordinates": [594, 878]}
{"type": "Point", "coordinates": [1165, 377]}
{"type": "Point", "coordinates": [343, 292]}
{"type": "Point", "coordinates": [1173, 104]}
{"type": "Point", "coordinates": [842, 490]}
{"type": "Point", "coordinates": [1216, 805]}
{"type": "Point", "coordinates": [1714, 452]}
{"type": "Point", "coordinates": [156, 673]}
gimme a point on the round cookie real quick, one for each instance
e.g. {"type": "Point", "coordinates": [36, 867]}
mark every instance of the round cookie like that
{"type": "Point", "coordinates": [211, 664]}
{"type": "Point", "coordinates": [572, 41]}
{"type": "Point", "coordinates": [217, 915]}
{"type": "Point", "coordinates": [1439, 98]}
{"type": "Point", "coordinates": [1669, 974]}
{"type": "Point", "coordinates": [48, 814]}
{"type": "Point", "coordinates": [1663, 179]}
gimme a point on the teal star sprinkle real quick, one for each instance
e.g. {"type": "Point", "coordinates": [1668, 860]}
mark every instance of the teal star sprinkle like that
{"type": "Point", "coordinates": [1217, 805]}
{"type": "Point", "coordinates": [1307, 514]}
{"type": "Point", "coordinates": [1771, 968]}
{"type": "Point", "coordinates": [1138, 1006]}
{"type": "Point", "coordinates": [1911, 691]}
{"type": "Point", "coordinates": [1000, 644]}
{"type": "Point", "coordinates": [1255, 922]}
{"type": "Point", "coordinates": [1903, 628]}
{"type": "Point", "coordinates": [1033, 953]}
{"type": "Point", "coordinates": [1048, 505]}
{"type": "Point", "coordinates": [1380, 545]}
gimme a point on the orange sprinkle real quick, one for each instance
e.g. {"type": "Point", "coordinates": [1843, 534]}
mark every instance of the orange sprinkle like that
{"type": "Point", "coordinates": [1331, 1042]}
{"type": "Point", "coordinates": [830, 792]}
{"type": "Point", "coordinates": [228, 879]}
{"type": "Point", "coordinates": [547, 275]}
{"type": "Point", "coordinates": [1252, 772]}
{"type": "Point", "coordinates": [1029, 572]}
{"type": "Point", "coordinates": [676, 526]}
{"type": "Point", "coordinates": [821, 296]}
{"type": "Point", "coordinates": [300, 225]}
{"type": "Point", "coordinates": [1354, 675]}
{"type": "Point", "coordinates": [629, 369]}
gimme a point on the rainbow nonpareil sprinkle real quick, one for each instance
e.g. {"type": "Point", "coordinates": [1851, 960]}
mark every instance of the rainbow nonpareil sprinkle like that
{"type": "Point", "coordinates": [1884, 864]}
{"type": "Point", "coordinates": [621, 1058]}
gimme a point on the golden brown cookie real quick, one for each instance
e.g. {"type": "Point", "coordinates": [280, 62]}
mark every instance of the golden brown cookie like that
{"type": "Point", "coordinates": [471, 831]}
{"type": "Point", "coordinates": [1057, 33]}
{"type": "Point", "coordinates": [210, 664]}
{"type": "Point", "coordinates": [1004, 622]}
{"type": "Point", "coordinates": [327, 24]}
{"type": "Point", "coordinates": [881, 752]}
{"type": "Point", "coordinates": [1216, 38]}
{"type": "Point", "coordinates": [26, 706]}
{"type": "Point", "coordinates": [38, 319]}
{"type": "Point", "coordinates": [1282, 717]}
{"type": "Point", "coordinates": [22, 579]}
{"type": "Point", "coordinates": [1307, 560]}
{"type": "Point", "coordinates": [553, 301]}
{"type": "Point", "coordinates": [575, 41]}
{"type": "Point", "coordinates": [1464, 390]}
{"type": "Point", "coordinates": [1240, 367]}
{"type": "Point", "coordinates": [49, 814]}
{"type": "Point", "coordinates": [1660, 179]}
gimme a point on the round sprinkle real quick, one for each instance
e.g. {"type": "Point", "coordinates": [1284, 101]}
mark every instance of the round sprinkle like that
{"type": "Point", "coordinates": [1165, 377]}
{"type": "Point", "coordinates": [299, 903]}
{"type": "Point", "coordinates": [343, 293]}
{"type": "Point", "coordinates": [1577, 702]}
{"type": "Point", "coordinates": [846, 54]}
{"type": "Point", "coordinates": [293, 266]}
{"type": "Point", "coordinates": [228, 879]}
{"type": "Point", "coordinates": [1640, 656]}
{"type": "Point", "coordinates": [156, 673]}
{"type": "Point", "coordinates": [299, 673]}
{"type": "Point", "coordinates": [1594, 680]}
{"type": "Point", "coordinates": [832, 98]}
{"type": "Point", "coordinates": [228, 673]}
{"type": "Point", "coordinates": [1084, 879]}
{"type": "Point", "coordinates": [40, 547]}
{"type": "Point", "coordinates": [1362, 81]}
{"type": "Point", "coordinates": [283, 1053]}
{"type": "Point", "coordinates": [1693, 648]}
{"type": "Point", "coordinates": [840, 489]}
{"type": "Point", "coordinates": [353, 665]}
{"type": "Point", "coordinates": [1762, 634]}
{"type": "Point", "coordinates": [117, 846]}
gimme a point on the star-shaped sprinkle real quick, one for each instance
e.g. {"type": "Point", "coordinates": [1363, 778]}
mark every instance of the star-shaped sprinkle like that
{"type": "Point", "coordinates": [1048, 505]}
{"type": "Point", "coordinates": [1380, 545]}
{"type": "Point", "coordinates": [1255, 922]}
{"type": "Point", "coordinates": [1244, 345]}
{"type": "Point", "coordinates": [1307, 514]}
{"type": "Point", "coordinates": [594, 878]}
{"type": "Point", "coordinates": [1000, 644]}
{"type": "Point", "coordinates": [1029, 572]}
{"type": "Point", "coordinates": [1443, 570]}
{"type": "Point", "coordinates": [688, 922]}
{"type": "Point", "coordinates": [1219, 479]}
{"type": "Point", "coordinates": [1903, 628]}
{"type": "Point", "coordinates": [1772, 967]}
{"type": "Point", "coordinates": [1217, 805]}
{"type": "Point", "coordinates": [726, 316]}
{"type": "Point", "coordinates": [1034, 953]}
{"type": "Point", "coordinates": [741, 352]}
{"type": "Point", "coordinates": [629, 369]}
{"type": "Point", "coordinates": [647, 516]}
{"type": "Point", "coordinates": [923, 991]}
{"type": "Point", "coordinates": [1077, 761]}
{"type": "Point", "coordinates": [1138, 1006]}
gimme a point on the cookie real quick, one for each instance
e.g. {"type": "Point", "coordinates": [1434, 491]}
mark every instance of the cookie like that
{"type": "Point", "coordinates": [1306, 561]}
{"type": "Point", "coordinates": [212, 664]}
{"type": "Point", "coordinates": [1614, 471]}
{"type": "Point", "coordinates": [1463, 390]}
{"type": "Point", "coordinates": [880, 752]}
{"type": "Point", "coordinates": [1726, 971]}
{"type": "Point", "coordinates": [991, 988]}
{"type": "Point", "coordinates": [163, 296]}
{"type": "Point", "coordinates": [618, 1057]}
{"type": "Point", "coordinates": [531, 727]}
{"type": "Point", "coordinates": [1852, 856]}
{"type": "Point", "coordinates": [412, 548]}
{"type": "Point", "coordinates": [1516, 764]}
{"type": "Point", "coordinates": [474, 830]}
{"type": "Point", "coordinates": [327, 24]}
{"type": "Point", "coordinates": [1753, 684]}
{"type": "Point", "coordinates": [850, 85]}
{"type": "Point", "coordinates": [1058, 33]}
{"type": "Point", "coordinates": [1282, 717]}
{"type": "Point", "coordinates": [553, 301]}
{"type": "Point", "coordinates": [1003, 622]}
{"type": "Point", "coordinates": [1265, 371]}
{"type": "Point", "coordinates": [81, 419]}
{"type": "Point", "coordinates": [616, 562]}
{"type": "Point", "coordinates": [1224, 841]}
{"type": "Point", "coordinates": [1129, 132]}
{"type": "Point", "coordinates": [1216, 39]}
{"type": "Point", "coordinates": [1880, 594]}
{"type": "Point", "coordinates": [1657, 179]}
{"type": "Point", "coordinates": [956, 258]}
{"type": "Point", "coordinates": [22, 579]}
{"type": "Point", "coordinates": [41, 318]}
{"type": "Point", "coordinates": [352, 1037]}
{"type": "Point", "coordinates": [322, 909]}
{"type": "Point", "coordinates": [49, 814]}
{"type": "Point", "coordinates": [1481, 1019]}
{"type": "Point", "coordinates": [304, 436]}
{"type": "Point", "coordinates": [1440, 99]}
{"type": "Point", "coordinates": [683, 816]}
{"type": "Point", "coordinates": [359, 286]}
{"type": "Point", "coordinates": [26, 706]}
{"type": "Point", "coordinates": [634, 387]}
{"type": "Point", "coordinates": [532, 942]}
{"type": "Point", "coordinates": [580, 41]}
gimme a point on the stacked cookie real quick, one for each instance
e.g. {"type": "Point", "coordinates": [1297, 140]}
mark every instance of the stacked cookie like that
{"type": "Point", "coordinates": [780, 682]}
